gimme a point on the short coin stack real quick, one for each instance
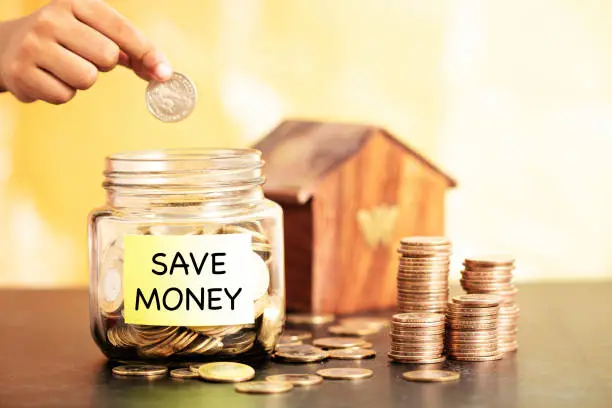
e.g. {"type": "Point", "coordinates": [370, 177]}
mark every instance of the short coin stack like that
{"type": "Point", "coordinates": [422, 277]}
{"type": "Point", "coordinates": [417, 338]}
{"type": "Point", "coordinates": [492, 274]}
{"type": "Point", "coordinates": [472, 328]}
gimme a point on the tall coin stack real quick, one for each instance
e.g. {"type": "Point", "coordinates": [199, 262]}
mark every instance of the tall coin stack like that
{"type": "Point", "coordinates": [471, 324]}
{"type": "Point", "coordinates": [492, 274]}
{"type": "Point", "coordinates": [422, 277]}
{"type": "Point", "coordinates": [417, 338]}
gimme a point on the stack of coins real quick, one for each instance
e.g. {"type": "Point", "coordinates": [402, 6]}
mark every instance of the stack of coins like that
{"type": "Point", "coordinates": [422, 277]}
{"type": "Point", "coordinates": [417, 338]}
{"type": "Point", "coordinates": [492, 274]}
{"type": "Point", "coordinates": [471, 324]}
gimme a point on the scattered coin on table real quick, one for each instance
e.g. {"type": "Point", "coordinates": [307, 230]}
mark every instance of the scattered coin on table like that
{"type": "Point", "coordinates": [353, 329]}
{"type": "Point", "coordinates": [299, 380]}
{"type": "Point", "coordinates": [310, 319]}
{"type": "Point", "coordinates": [173, 100]}
{"type": "Point", "coordinates": [184, 373]}
{"type": "Point", "coordinates": [338, 342]}
{"type": "Point", "coordinates": [379, 322]}
{"type": "Point", "coordinates": [284, 341]}
{"type": "Point", "coordinates": [295, 335]}
{"type": "Point", "coordinates": [304, 353]}
{"type": "Point", "coordinates": [140, 370]}
{"type": "Point", "coordinates": [345, 373]}
{"type": "Point", "coordinates": [226, 372]}
{"type": "Point", "coordinates": [351, 353]}
{"type": "Point", "coordinates": [431, 376]}
{"type": "Point", "coordinates": [264, 387]}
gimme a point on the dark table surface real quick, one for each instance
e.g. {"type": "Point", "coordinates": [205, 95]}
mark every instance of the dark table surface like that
{"type": "Point", "coordinates": [47, 359]}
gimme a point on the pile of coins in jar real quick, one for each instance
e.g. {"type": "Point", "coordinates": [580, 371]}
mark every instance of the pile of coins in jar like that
{"type": "Point", "coordinates": [161, 342]}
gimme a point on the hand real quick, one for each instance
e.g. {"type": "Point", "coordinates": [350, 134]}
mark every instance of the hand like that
{"type": "Point", "coordinates": [59, 49]}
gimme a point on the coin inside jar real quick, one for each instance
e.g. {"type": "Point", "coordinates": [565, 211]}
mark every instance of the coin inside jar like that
{"type": "Point", "coordinates": [431, 376]}
{"type": "Point", "coordinates": [140, 370]}
{"type": "Point", "coordinates": [226, 372]}
{"type": "Point", "coordinates": [299, 380]}
{"type": "Point", "coordinates": [345, 373]}
{"type": "Point", "coordinates": [264, 387]}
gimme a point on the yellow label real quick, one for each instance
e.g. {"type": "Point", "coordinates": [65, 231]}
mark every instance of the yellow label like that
{"type": "Point", "coordinates": [189, 280]}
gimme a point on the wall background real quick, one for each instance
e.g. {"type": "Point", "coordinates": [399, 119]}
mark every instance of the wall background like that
{"type": "Point", "coordinates": [514, 99]}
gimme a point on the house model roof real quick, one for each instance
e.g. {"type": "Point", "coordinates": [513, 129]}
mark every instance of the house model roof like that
{"type": "Point", "coordinates": [299, 153]}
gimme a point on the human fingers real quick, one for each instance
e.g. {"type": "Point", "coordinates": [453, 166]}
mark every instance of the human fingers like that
{"type": "Point", "coordinates": [70, 68]}
{"type": "Point", "coordinates": [145, 58]}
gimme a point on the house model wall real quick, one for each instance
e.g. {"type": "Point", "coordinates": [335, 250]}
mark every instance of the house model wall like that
{"type": "Point", "coordinates": [349, 193]}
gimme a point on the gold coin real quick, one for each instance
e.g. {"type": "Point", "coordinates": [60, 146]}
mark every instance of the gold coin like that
{"type": "Point", "coordinates": [424, 241]}
{"type": "Point", "coordinates": [366, 345]}
{"type": "Point", "coordinates": [430, 260]}
{"type": "Point", "coordinates": [264, 387]}
{"type": "Point", "coordinates": [338, 342]}
{"type": "Point", "coordinates": [490, 260]}
{"type": "Point", "coordinates": [301, 354]}
{"type": "Point", "coordinates": [184, 373]}
{"type": "Point", "coordinates": [226, 372]}
{"type": "Point", "coordinates": [418, 317]}
{"type": "Point", "coordinates": [140, 370]}
{"type": "Point", "coordinates": [345, 373]}
{"type": "Point", "coordinates": [479, 359]}
{"type": "Point", "coordinates": [379, 322]}
{"type": "Point", "coordinates": [297, 379]}
{"type": "Point", "coordinates": [431, 376]}
{"type": "Point", "coordinates": [284, 341]}
{"type": "Point", "coordinates": [296, 335]}
{"type": "Point", "coordinates": [353, 330]}
{"type": "Point", "coordinates": [405, 360]}
{"type": "Point", "coordinates": [410, 360]}
{"type": "Point", "coordinates": [477, 300]}
{"type": "Point", "coordinates": [311, 319]}
{"type": "Point", "coordinates": [352, 353]}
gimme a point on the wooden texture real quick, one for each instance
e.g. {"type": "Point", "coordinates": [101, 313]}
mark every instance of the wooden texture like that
{"type": "Point", "coordinates": [349, 193]}
{"type": "Point", "coordinates": [350, 274]}
{"type": "Point", "coordinates": [298, 256]}
{"type": "Point", "coordinates": [299, 154]}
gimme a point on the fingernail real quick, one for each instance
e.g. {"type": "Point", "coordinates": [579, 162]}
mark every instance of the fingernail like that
{"type": "Point", "coordinates": [163, 71]}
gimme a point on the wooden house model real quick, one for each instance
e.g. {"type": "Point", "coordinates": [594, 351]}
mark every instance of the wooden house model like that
{"type": "Point", "coordinates": [349, 193]}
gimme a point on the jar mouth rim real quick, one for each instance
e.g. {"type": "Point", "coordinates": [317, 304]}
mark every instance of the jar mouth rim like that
{"type": "Point", "coordinates": [185, 169]}
{"type": "Point", "coordinates": [181, 154]}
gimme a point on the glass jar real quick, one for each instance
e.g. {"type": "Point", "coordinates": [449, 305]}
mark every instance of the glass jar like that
{"type": "Point", "coordinates": [186, 258]}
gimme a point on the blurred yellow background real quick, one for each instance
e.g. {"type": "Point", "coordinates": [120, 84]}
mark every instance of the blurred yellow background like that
{"type": "Point", "coordinates": [514, 99]}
